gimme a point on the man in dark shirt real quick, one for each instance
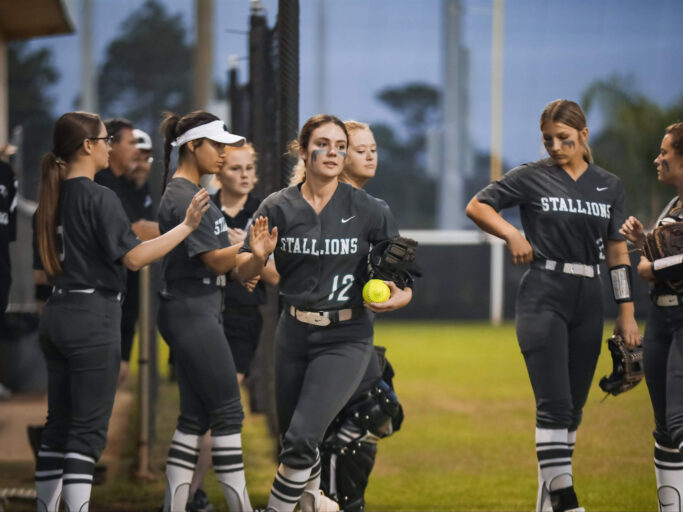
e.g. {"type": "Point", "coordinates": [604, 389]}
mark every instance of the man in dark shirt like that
{"type": "Point", "coordinates": [128, 161]}
{"type": "Point", "coordinates": [122, 156]}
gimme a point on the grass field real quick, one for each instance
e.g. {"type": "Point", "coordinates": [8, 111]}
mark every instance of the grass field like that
{"type": "Point", "coordinates": [467, 442]}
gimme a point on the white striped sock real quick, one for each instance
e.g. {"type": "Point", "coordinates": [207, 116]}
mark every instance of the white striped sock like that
{"type": "Point", "coordinates": [554, 457]}
{"type": "Point", "coordinates": [77, 481]}
{"type": "Point", "coordinates": [49, 470]}
{"type": "Point", "coordinates": [287, 487]}
{"type": "Point", "coordinates": [182, 459]}
{"type": "Point", "coordinates": [226, 454]}
{"type": "Point", "coordinates": [669, 473]}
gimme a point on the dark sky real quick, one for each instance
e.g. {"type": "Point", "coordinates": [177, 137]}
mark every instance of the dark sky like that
{"type": "Point", "coordinates": [553, 49]}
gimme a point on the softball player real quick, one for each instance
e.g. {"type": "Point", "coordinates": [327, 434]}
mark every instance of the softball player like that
{"type": "Point", "coordinates": [571, 212]}
{"type": "Point", "coordinates": [241, 315]}
{"type": "Point", "coordinates": [663, 341]}
{"type": "Point", "coordinates": [350, 447]}
{"type": "Point", "coordinates": [322, 231]}
{"type": "Point", "coordinates": [190, 317]}
{"type": "Point", "coordinates": [83, 237]}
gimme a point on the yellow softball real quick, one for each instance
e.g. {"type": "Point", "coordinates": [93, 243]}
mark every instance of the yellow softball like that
{"type": "Point", "coordinates": [376, 290]}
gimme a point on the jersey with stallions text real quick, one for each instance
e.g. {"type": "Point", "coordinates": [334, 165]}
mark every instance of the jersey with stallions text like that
{"type": "Point", "coordinates": [321, 257]}
{"type": "Point", "coordinates": [563, 220]}
{"type": "Point", "coordinates": [212, 233]}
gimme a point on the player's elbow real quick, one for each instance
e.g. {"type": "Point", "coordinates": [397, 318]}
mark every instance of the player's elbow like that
{"type": "Point", "coordinates": [471, 209]}
{"type": "Point", "coordinates": [133, 261]}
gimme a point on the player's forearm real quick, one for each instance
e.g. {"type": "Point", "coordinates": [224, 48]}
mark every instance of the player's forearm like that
{"type": "Point", "coordinates": [269, 274]}
{"type": "Point", "coordinates": [617, 253]}
{"type": "Point", "coordinates": [489, 220]}
{"type": "Point", "coordinates": [156, 248]}
{"type": "Point", "coordinates": [249, 265]}
{"type": "Point", "coordinates": [221, 261]}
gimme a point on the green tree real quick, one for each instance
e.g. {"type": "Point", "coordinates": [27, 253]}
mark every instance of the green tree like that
{"type": "Point", "coordinates": [629, 141]}
{"type": "Point", "coordinates": [31, 73]}
{"type": "Point", "coordinates": [148, 68]}
{"type": "Point", "coordinates": [401, 177]}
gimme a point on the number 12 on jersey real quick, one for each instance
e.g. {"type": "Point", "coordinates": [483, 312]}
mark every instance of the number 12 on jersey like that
{"type": "Point", "coordinates": [343, 287]}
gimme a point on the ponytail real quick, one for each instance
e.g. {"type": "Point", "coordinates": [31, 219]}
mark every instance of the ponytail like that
{"type": "Point", "coordinates": [299, 169]}
{"type": "Point", "coordinates": [587, 154]}
{"type": "Point", "coordinates": [53, 172]}
{"type": "Point", "coordinates": [168, 128]}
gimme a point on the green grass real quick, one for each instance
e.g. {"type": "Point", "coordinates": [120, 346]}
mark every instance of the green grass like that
{"type": "Point", "coordinates": [467, 442]}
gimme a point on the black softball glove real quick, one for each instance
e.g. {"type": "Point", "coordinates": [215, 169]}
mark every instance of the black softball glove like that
{"type": "Point", "coordinates": [627, 367]}
{"type": "Point", "coordinates": [394, 260]}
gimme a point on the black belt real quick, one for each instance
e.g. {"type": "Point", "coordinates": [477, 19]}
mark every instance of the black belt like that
{"type": "Point", "coordinates": [323, 318]}
{"type": "Point", "coordinates": [574, 269]}
{"type": "Point", "coordinates": [110, 294]}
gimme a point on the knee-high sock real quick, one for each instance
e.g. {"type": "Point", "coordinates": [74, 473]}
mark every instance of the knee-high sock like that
{"type": "Point", "coordinates": [226, 455]}
{"type": "Point", "coordinates": [49, 469]}
{"type": "Point", "coordinates": [287, 487]}
{"type": "Point", "coordinates": [554, 458]}
{"type": "Point", "coordinates": [307, 502]}
{"type": "Point", "coordinates": [182, 458]}
{"type": "Point", "coordinates": [543, 497]}
{"type": "Point", "coordinates": [669, 473]}
{"type": "Point", "coordinates": [77, 481]}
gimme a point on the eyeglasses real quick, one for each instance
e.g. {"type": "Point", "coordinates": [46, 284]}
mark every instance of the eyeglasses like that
{"type": "Point", "coordinates": [107, 140]}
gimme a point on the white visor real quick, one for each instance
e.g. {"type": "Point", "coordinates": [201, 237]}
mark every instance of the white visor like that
{"type": "Point", "coordinates": [215, 130]}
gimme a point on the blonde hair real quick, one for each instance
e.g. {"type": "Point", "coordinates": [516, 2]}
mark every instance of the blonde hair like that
{"type": "Point", "coordinates": [299, 169]}
{"type": "Point", "coordinates": [252, 153]}
{"type": "Point", "coordinates": [567, 112]}
{"type": "Point", "coordinates": [352, 126]}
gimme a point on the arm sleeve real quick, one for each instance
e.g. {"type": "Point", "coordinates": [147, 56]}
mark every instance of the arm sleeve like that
{"type": "Point", "coordinates": [618, 215]}
{"type": "Point", "coordinates": [112, 226]}
{"type": "Point", "coordinates": [506, 192]}
{"type": "Point", "coordinates": [669, 268]}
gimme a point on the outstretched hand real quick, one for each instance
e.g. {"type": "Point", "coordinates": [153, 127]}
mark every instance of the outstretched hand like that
{"type": "Point", "coordinates": [261, 241]}
{"type": "Point", "coordinates": [198, 205]}
{"type": "Point", "coordinates": [633, 230]}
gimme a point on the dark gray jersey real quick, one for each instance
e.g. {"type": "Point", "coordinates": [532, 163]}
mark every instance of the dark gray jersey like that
{"type": "Point", "coordinates": [563, 220]}
{"type": "Point", "coordinates": [212, 233]}
{"type": "Point", "coordinates": [93, 235]}
{"type": "Point", "coordinates": [320, 257]}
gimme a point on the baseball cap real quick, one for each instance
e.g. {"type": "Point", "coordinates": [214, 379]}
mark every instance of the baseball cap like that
{"type": "Point", "coordinates": [142, 139]}
{"type": "Point", "coordinates": [215, 130]}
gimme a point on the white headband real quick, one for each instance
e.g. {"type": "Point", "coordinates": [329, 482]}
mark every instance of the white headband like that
{"type": "Point", "coordinates": [215, 130]}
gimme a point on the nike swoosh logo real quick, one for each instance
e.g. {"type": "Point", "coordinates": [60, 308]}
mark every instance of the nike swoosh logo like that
{"type": "Point", "coordinates": [600, 189]}
{"type": "Point", "coordinates": [344, 221]}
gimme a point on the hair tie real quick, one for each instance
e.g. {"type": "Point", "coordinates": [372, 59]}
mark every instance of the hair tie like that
{"type": "Point", "coordinates": [60, 161]}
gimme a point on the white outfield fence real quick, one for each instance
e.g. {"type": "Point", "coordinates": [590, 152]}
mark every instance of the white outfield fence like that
{"type": "Point", "coordinates": [457, 237]}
